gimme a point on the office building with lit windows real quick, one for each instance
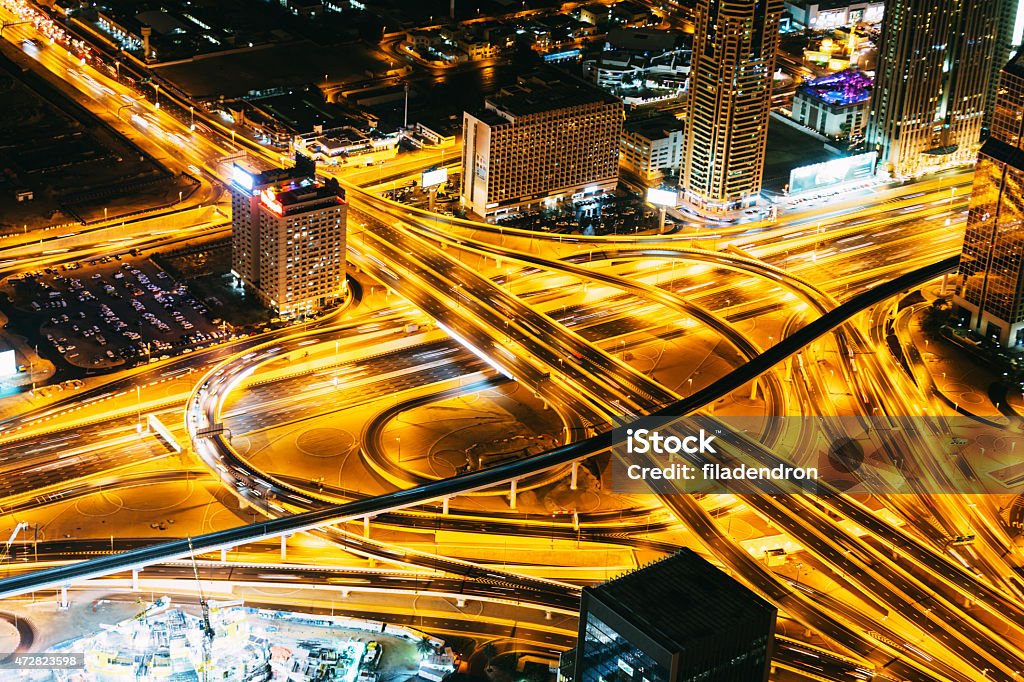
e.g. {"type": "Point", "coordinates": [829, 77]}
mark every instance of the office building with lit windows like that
{"type": "Point", "coordinates": [288, 240]}
{"type": "Point", "coordinates": [990, 290]}
{"type": "Point", "coordinates": [652, 147]}
{"type": "Point", "coordinates": [1007, 43]}
{"type": "Point", "coordinates": [729, 102]}
{"type": "Point", "coordinates": [545, 141]}
{"type": "Point", "coordinates": [677, 620]}
{"type": "Point", "coordinates": [934, 64]}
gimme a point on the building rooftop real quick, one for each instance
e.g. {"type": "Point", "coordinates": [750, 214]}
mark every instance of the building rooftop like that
{"type": "Point", "coordinates": [843, 88]}
{"type": "Point", "coordinates": [1016, 65]}
{"type": "Point", "coordinates": [161, 22]}
{"type": "Point", "coordinates": [299, 194]}
{"type": "Point", "coordinates": [1005, 153]}
{"type": "Point", "coordinates": [655, 127]}
{"type": "Point", "coordinates": [255, 174]}
{"type": "Point", "coordinates": [680, 600]}
{"type": "Point", "coordinates": [536, 94]}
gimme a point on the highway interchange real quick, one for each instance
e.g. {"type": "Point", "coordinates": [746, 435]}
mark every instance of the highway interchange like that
{"type": "Point", "coordinates": [792, 305]}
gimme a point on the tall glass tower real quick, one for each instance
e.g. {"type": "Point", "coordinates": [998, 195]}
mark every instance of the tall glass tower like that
{"type": "Point", "coordinates": [990, 292]}
{"type": "Point", "coordinates": [934, 67]}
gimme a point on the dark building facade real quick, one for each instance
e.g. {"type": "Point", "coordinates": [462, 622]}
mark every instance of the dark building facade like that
{"type": "Point", "coordinates": [990, 292]}
{"type": "Point", "coordinates": [677, 620]}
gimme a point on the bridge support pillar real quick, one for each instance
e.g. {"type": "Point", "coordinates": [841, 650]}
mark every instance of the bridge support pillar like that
{"type": "Point", "coordinates": [945, 281]}
{"type": "Point", "coordinates": [223, 554]}
{"type": "Point", "coordinates": [789, 369]}
{"type": "Point", "coordinates": [753, 389]}
{"type": "Point", "coordinates": [366, 526]}
{"type": "Point", "coordinates": [460, 602]}
{"type": "Point", "coordinates": [63, 603]}
{"type": "Point", "coordinates": [444, 506]}
{"type": "Point", "coordinates": [284, 547]}
{"type": "Point", "coordinates": [575, 475]}
{"type": "Point", "coordinates": [547, 615]}
{"type": "Point", "coordinates": [575, 520]}
{"type": "Point", "coordinates": [512, 494]}
{"type": "Point", "coordinates": [135, 580]}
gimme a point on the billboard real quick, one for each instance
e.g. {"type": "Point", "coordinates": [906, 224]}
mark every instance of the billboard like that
{"type": "Point", "coordinates": [436, 176]}
{"type": "Point", "coordinates": [242, 177]}
{"type": "Point", "coordinates": [661, 197]}
{"type": "Point", "coordinates": [8, 364]}
{"type": "Point", "coordinates": [832, 173]}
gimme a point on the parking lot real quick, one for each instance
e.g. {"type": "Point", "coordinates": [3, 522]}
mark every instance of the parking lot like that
{"type": "Point", "coordinates": [446, 200]}
{"type": "Point", "coordinates": [110, 312]}
{"type": "Point", "coordinates": [606, 214]}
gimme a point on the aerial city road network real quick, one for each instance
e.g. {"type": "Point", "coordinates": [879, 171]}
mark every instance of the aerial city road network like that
{"type": "Point", "coordinates": [489, 341]}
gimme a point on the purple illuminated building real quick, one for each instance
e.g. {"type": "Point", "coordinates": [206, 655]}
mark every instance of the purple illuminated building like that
{"type": "Point", "coordinates": [834, 105]}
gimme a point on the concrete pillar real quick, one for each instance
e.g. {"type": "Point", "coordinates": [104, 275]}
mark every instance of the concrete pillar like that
{"type": "Point", "coordinates": [512, 494]}
{"type": "Point", "coordinates": [753, 389]}
{"type": "Point", "coordinates": [661, 219]}
{"type": "Point", "coordinates": [284, 547]}
{"type": "Point", "coordinates": [547, 615]}
{"type": "Point", "coordinates": [575, 520]}
{"type": "Point", "coordinates": [444, 506]}
{"type": "Point", "coordinates": [575, 472]}
{"type": "Point", "coordinates": [789, 368]}
{"type": "Point", "coordinates": [366, 526]}
{"type": "Point", "coordinates": [63, 603]}
{"type": "Point", "coordinates": [135, 580]}
{"type": "Point", "coordinates": [460, 602]}
{"type": "Point", "coordinates": [223, 555]}
{"type": "Point", "coordinates": [945, 281]}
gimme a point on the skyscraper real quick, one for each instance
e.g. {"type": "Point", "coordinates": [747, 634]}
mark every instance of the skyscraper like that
{"type": "Point", "coordinates": [729, 102]}
{"type": "Point", "coordinates": [675, 620]}
{"type": "Point", "coordinates": [990, 292]}
{"type": "Point", "coordinates": [934, 65]}
{"type": "Point", "coordinates": [1007, 42]}
{"type": "Point", "coordinates": [288, 236]}
{"type": "Point", "coordinates": [544, 140]}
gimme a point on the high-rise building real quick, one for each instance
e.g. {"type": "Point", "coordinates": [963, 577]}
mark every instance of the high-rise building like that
{"type": "Point", "coordinates": [677, 620]}
{"type": "Point", "coordinates": [934, 65]}
{"type": "Point", "coordinates": [1007, 43]}
{"type": "Point", "coordinates": [990, 291]}
{"type": "Point", "coordinates": [729, 102]}
{"type": "Point", "coordinates": [288, 239]}
{"type": "Point", "coordinates": [545, 140]}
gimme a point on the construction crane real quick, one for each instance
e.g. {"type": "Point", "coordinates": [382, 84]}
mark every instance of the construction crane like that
{"type": "Point", "coordinates": [208, 633]}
